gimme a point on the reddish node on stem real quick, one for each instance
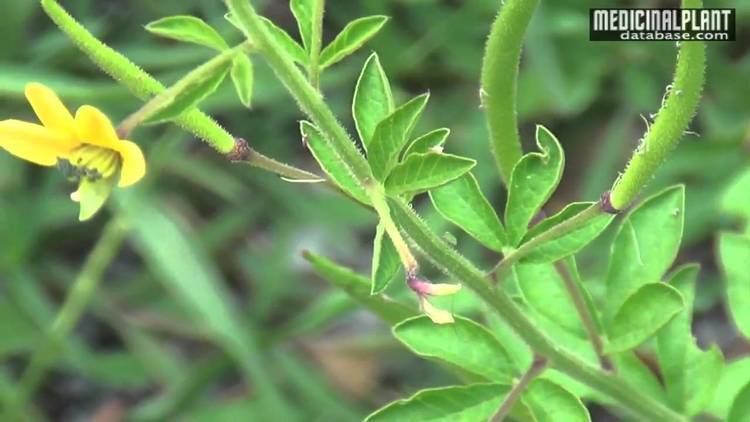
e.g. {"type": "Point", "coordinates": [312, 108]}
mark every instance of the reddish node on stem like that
{"type": "Point", "coordinates": [240, 152]}
{"type": "Point", "coordinates": [605, 203]}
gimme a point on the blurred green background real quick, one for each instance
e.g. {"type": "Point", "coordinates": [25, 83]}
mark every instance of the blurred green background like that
{"type": "Point", "coordinates": [151, 346]}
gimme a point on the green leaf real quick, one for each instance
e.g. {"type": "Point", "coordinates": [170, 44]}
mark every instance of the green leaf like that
{"type": "Point", "coordinates": [242, 78]}
{"type": "Point", "coordinates": [476, 402]}
{"type": "Point", "coordinates": [432, 141]}
{"type": "Point", "coordinates": [462, 202]}
{"type": "Point", "coordinates": [358, 287]}
{"type": "Point", "coordinates": [732, 378]}
{"type": "Point", "coordinates": [463, 344]}
{"type": "Point", "coordinates": [734, 256]}
{"type": "Point", "coordinates": [420, 172]}
{"type": "Point", "coordinates": [303, 11]}
{"type": "Point", "coordinates": [372, 101]}
{"type": "Point", "coordinates": [703, 370]}
{"type": "Point", "coordinates": [740, 411]}
{"type": "Point", "coordinates": [569, 243]}
{"type": "Point", "coordinates": [544, 291]}
{"type": "Point", "coordinates": [532, 182]}
{"type": "Point", "coordinates": [193, 93]}
{"type": "Point", "coordinates": [550, 402]}
{"type": "Point", "coordinates": [642, 315]}
{"type": "Point", "coordinates": [354, 35]}
{"type": "Point", "coordinates": [188, 29]}
{"type": "Point", "coordinates": [331, 162]}
{"type": "Point", "coordinates": [736, 200]}
{"type": "Point", "coordinates": [287, 43]}
{"type": "Point", "coordinates": [391, 134]}
{"type": "Point", "coordinates": [674, 340]}
{"type": "Point", "coordinates": [566, 213]}
{"type": "Point", "coordinates": [645, 246]}
{"type": "Point", "coordinates": [385, 261]}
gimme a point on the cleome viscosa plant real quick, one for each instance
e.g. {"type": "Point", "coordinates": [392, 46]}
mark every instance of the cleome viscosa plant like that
{"type": "Point", "coordinates": [536, 344]}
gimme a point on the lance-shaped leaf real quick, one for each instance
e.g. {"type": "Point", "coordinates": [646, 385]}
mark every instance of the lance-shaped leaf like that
{"type": "Point", "coordinates": [462, 202]}
{"type": "Point", "coordinates": [391, 134]}
{"type": "Point", "coordinates": [188, 93]}
{"type": "Point", "coordinates": [432, 141]}
{"type": "Point", "coordinates": [464, 344]}
{"type": "Point", "coordinates": [385, 261]}
{"type": "Point", "coordinates": [476, 402]}
{"type": "Point", "coordinates": [287, 43]}
{"type": "Point", "coordinates": [645, 246]}
{"type": "Point", "coordinates": [569, 243]}
{"type": "Point", "coordinates": [372, 101]}
{"type": "Point", "coordinates": [358, 287]}
{"type": "Point", "coordinates": [303, 12]}
{"type": "Point", "coordinates": [549, 402]}
{"type": "Point", "coordinates": [734, 257]}
{"type": "Point", "coordinates": [732, 378]}
{"type": "Point", "coordinates": [643, 313]}
{"type": "Point", "coordinates": [242, 78]}
{"type": "Point", "coordinates": [703, 371]}
{"type": "Point", "coordinates": [331, 162]}
{"type": "Point", "coordinates": [420, 172]}
{"type": "Point", "coordinates": [534, 179]}
{"type": "Point", "coordinates": [188, 29]}
{"type": "Point", "coordinates": [354, 35]}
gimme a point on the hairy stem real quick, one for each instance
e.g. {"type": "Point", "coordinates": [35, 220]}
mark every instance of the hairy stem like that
{"type": "Point", "coordinates": [156, 103]}
{"type": "Point", "coordinates": [499, 75]}
{"type": "Point", "coordinates": [538, 365]}
{"type": "Point", "coordinates": [313, 105]}
{"type": "Point", "coordinates": [454, 265]}
{"type": "Point", "coordinates": [584, 313]}
{"type": "Point", "coordinates": [75, 304]}
{"type": "Point", "coordinates": [140, 83]}
{"type": "Point", "coordinates": [676, 112]}
{"type": "Point", "coordinates": [316, 42]}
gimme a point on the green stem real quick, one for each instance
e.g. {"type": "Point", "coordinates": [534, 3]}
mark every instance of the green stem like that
{"type": "Point", "coordinates": [313, 105]}
{"type": "Point", "coordinates": [676, 112]}
{"type": "Point", "coordinates": [538, 365]}
{"type": "Point", "coordinates": [140, 83]}
{"type": "Point", "coordinates": [499, 79]}
{"type": "Point", "coordinates": [577, 221]}
{"type": "Point", "coordinates": [306, 95]}
{"type": "Point", "coordinates": [457, 267]}
{"type": "Point", "coordinates": [316, 43]}
{"type": "Point", "coordinates": [75, 304]}
{"type": "Point", "coordinates": [584, 313]}
{"type": "Point", "coordinates": [156, 103]}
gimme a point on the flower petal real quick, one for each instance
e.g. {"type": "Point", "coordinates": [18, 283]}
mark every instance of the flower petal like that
{"type": "Point", "coordinates": [92, 195]}
{"type": "Point", "coordinates": [93, 127]}
{"type": "Point", "coordinates": [32, 142]}
{"type": "Point", "coordinates": [437, 315]}
{"type": "Point", "coordinates": [133, 163]}
{"type": "Point", "coordinates": [51, 111]}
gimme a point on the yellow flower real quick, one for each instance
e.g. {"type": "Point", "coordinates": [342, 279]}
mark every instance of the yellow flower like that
{"type": "Point", "coordinates": [85, 147]}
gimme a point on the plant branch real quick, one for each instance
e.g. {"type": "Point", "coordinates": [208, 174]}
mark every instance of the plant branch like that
{"type": "Point", "coordinates": [316, 42]}
{"type": "Point", "coordinates": [537, 367]}
{"type": "Point", "coordinates": [457, 267]}
{"type": "Point", "coordinates": [584, 313]}
{"type": "Point", "coordinates": [499, 79]}
{"type": "Point", "coordinates": [677, 110]}
{"type": "Point", "coordinates": [164, 97]}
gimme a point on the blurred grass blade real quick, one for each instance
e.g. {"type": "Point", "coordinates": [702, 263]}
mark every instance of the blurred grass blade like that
{"type": "Point", "coordinates": [189, 275]}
